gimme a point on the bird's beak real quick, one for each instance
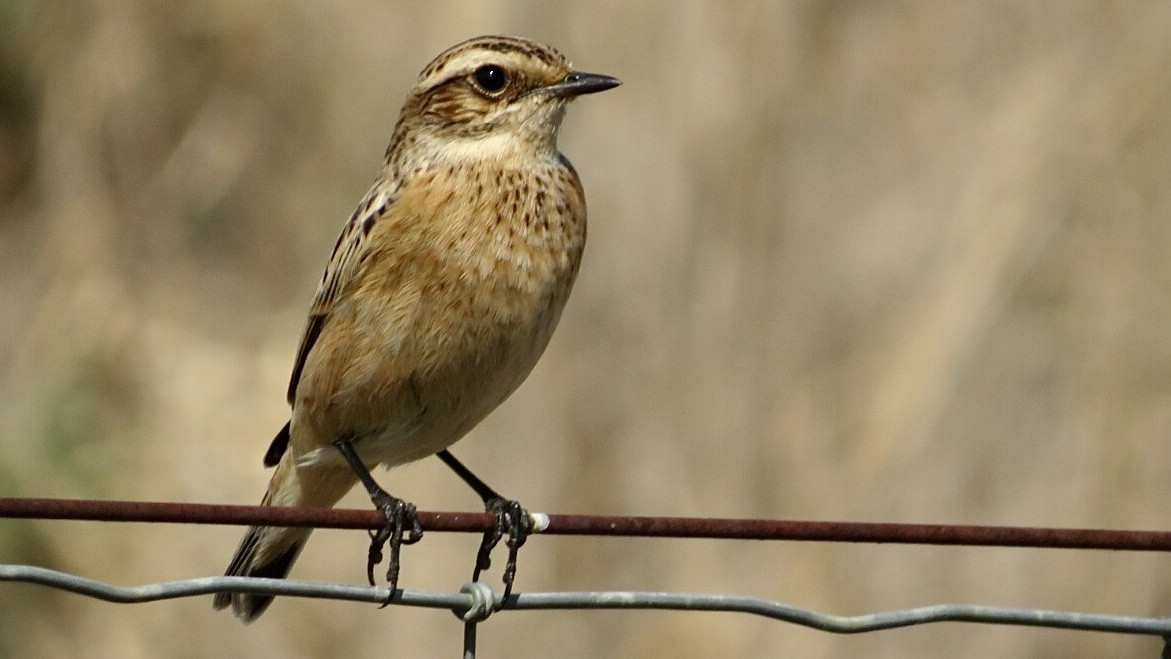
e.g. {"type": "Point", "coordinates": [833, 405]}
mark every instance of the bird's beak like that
{"type": "Point", "coordinates": [578, 83]}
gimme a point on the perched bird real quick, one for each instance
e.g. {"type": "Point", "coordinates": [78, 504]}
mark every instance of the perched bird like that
{"type": "Point", "coordinates": [441, 294]}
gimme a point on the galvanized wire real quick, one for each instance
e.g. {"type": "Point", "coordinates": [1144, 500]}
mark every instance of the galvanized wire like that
{"type": "Point", "coordinates": [466, 600]}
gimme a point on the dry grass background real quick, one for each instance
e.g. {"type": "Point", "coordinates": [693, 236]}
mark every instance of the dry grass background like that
{"type": "Point", "coordinates": [900, 261]}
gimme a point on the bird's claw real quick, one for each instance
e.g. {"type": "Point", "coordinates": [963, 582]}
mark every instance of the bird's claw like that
{"type": "Point", "coordinates": [402, 528]}
{"type": "Point", "coordinates": [513, 521]}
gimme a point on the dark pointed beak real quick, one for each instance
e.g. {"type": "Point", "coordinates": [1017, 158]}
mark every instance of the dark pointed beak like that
{"type": "Point", "coordinates": [578, 83]}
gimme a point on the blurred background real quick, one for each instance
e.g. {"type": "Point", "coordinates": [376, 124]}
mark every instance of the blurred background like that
{"type": "Point", "coordinates": [893, 261]}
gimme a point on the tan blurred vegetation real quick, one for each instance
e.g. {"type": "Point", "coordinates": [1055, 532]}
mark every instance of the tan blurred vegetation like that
{"type": "Point", "coordinates": [901, 261]}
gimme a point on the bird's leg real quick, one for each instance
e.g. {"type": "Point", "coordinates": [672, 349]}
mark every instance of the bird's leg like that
{"type": "Point", "coordinates": [511, 520]}
{"type": "Point", "coordinates": [402, 522]}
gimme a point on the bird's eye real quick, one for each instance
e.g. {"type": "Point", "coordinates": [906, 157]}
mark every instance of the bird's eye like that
{"type": "Point", "coordinates": [491, 78]}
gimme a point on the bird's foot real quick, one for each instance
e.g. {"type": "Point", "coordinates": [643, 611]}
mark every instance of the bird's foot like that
{"type": "Point", "coordinates": [402, 528]}
{"type": "Point", "coordinates": [512, 521]}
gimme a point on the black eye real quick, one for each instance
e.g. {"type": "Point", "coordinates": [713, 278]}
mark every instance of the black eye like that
{"type": "Point", "coordinates": [491, 78]}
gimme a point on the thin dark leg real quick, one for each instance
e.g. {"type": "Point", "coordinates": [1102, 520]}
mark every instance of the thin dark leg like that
{"type": "Point", "coordinates": [486, 493]}
{"type": "Point", "coordinates": [401, 519]}
{"type": "Point", "coordinates": [511, 520]}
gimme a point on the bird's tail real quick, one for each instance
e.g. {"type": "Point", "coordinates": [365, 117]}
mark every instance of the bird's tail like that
{"type": "Point", "coordinates": [269, 551]}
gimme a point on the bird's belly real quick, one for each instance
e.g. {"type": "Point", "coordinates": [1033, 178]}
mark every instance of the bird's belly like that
{"type": "Point", "coordinates": [401, 401]}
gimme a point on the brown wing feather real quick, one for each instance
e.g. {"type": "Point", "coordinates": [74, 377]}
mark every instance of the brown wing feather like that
{"type": "Point", "coordinates": [348, 254]}
{"type": "Point", "coordinates": [308, 338]}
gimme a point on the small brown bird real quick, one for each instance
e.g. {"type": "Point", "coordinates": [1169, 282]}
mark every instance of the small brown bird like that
{"type": "Point", "coordinates": [441, 294]}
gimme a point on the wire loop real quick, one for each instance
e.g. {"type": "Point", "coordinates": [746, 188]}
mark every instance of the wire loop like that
{"type": "Point", "coordinates": [483, 602]}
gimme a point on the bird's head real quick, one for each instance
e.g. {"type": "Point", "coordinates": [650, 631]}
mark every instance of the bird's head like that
{"type": "Point", "coordinates": [492, 94]}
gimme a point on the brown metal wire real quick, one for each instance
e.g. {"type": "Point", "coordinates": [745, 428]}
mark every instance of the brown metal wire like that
{"type": "Point", "coordinates": [601, 525]}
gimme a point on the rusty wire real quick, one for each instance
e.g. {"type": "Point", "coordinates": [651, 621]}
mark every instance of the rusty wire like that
{"type": "Point", "coordinates": [601, 525]}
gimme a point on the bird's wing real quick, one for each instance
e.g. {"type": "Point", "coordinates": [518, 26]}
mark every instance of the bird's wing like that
{"type": "Point", "coordinates": [348, 254]}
